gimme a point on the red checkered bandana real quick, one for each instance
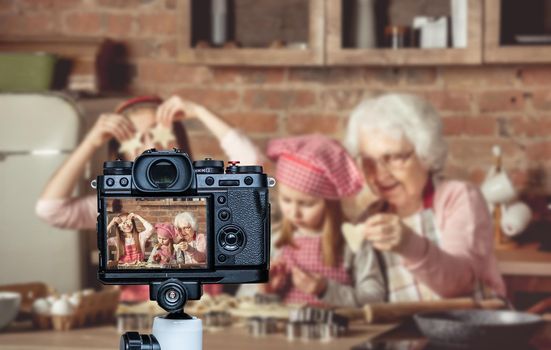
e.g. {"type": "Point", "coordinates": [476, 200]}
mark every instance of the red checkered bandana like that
{"type": "Point", "coordinates": [165, 230]}
{"type": "Point", "coordinates": [316, 165]}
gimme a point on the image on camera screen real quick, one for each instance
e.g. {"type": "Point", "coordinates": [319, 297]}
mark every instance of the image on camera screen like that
{"type": "Point", "coordinates": [157, 233]}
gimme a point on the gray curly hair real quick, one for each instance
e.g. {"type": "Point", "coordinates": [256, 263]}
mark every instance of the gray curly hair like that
{"type": "Point", "coordinates": [401, 115]}
{"type": "Point", "coordinates": [185, 218]}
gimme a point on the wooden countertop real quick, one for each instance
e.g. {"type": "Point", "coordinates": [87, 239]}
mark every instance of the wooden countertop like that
{"type": "Point", "coordinates": [525, 260]}
{"type": "Point", "coordinates": [107, 338]}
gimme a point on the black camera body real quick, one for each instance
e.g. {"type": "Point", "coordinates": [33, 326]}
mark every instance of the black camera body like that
{"type": "Point", "coordinates": [232, 210]}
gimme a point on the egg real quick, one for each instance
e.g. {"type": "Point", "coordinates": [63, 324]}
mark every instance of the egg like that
{"type": "Point", "coordinates": [41, 306]}
{"type": "Point", "coordinates": [74, 299]}
{"type": "Point", "coordinates": [62, 307]}
{"type": "Point", "coordinates": [88, 291]}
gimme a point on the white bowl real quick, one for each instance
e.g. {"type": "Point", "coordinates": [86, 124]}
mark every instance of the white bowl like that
{"type": "Point", "coordinates": [9, 304]}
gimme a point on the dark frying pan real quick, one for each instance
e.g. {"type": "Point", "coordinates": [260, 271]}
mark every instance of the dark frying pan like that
{"type": "Point", "coordinates": [478, 328]}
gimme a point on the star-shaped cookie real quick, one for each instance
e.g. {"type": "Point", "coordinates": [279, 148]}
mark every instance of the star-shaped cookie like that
{"type": "Point", "coordinates": [162, 135]}
{"type": "Point", "coordinates": [129, 146]}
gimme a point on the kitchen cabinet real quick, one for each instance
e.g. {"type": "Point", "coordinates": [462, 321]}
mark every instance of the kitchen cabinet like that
{"type": "Point", "coordinates": [304, 51]}
{"type": "Point", "coordinates": [519, 34]}
{"type": "Point", "coordinates": [324, 46]}
{"type": "Point", "coordinates": [338, 54]}
{"type": "Point", "coordinates": [325, 22]}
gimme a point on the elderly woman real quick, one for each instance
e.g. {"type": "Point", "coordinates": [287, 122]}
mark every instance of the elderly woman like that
{"type": "Point", "coordinates": [435, 237]}
{"type": "Point", "coordinates": [187, 240]}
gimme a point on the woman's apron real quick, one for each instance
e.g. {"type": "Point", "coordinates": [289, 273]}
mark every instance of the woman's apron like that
{"type": "Point", "coordinates": [402, 284]}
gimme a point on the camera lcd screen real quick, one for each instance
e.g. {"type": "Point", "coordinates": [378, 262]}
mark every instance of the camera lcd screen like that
{"type": "Point", "coordinates": [157, 233]}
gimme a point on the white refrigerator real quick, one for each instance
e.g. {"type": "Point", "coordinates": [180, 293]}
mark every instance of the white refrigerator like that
{"type": "Point", "coordinates": [37, 132]}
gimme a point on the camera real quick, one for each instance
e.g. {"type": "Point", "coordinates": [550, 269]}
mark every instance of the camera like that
{"type": "Point", "coordinates": [175, 224]}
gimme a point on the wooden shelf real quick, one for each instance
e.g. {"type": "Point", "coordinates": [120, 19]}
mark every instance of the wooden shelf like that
{"type": "Point", "coordinates": [494, 52]}
{"type": "Point", "coordinates": [311, 56]}
{"type": "Point", "coordinates": [252, 57]}
{"type": "Point", "coordinates": [337, 55]}
{"type": "Point", "coordinates": [402, 57]}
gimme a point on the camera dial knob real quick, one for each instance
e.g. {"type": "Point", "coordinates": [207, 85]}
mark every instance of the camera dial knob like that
{"type": "Point", "coordinates": [209, 166]}
{"type": "Point", "coordinates": [250, 169]}
{"type": "Point", "coordinates": [233, 168]}
{"type": "Point", "coordinates": [117, 167]}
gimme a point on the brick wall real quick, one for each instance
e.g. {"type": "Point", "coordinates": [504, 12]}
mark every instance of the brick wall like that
{"type": "Point", "coordinates": [481, 106]}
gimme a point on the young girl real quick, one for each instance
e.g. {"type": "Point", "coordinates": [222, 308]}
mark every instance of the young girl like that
{"type": "Point", "coordinates": [163, 252]}
{"type": "Point", "coordinates": [135, 120]}
{"type": "Point", "coordinates": [129, 242]}
{"type": "Point", "coordinates": [191, 244]}
{"type": "Point", "coordinates": [313, 174]}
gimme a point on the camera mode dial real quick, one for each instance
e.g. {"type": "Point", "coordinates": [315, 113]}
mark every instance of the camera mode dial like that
{"type": "Point", "coordinates": [209, 166]}
{"type": "Point", "coordinates": [117, 167]}
{"type": "Point", "coordinates": [250, 169]}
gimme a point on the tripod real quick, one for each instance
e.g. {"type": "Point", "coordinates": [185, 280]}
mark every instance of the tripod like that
{"type": "Point", "coordinates": [174, 331]}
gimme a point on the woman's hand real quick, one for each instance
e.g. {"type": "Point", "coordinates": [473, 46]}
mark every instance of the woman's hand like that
{"type": "Point", "coordinates": [183, 246]}
{"type": "Point", "coordinates": [176, 108]}
{"type": "Point", "coordinates": [387, 232]}
{"type": "Point", "coordinates": [308, 283]}
{"type": "Point", "coordinates": [110, 125]}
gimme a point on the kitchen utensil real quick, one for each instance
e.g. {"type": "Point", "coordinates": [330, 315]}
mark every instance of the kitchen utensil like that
{"type": "Point", "coordinates": [498, 188]}
{"type": "Point", "coordinates": [515, 218]}
{"type": "Point", "coordinates": [490, 329]}
{"type": "Point", "coordinates": [396, 312]}
{"type": "Point", "coordinates": [459, 9]}
{"type": "Point", "coordinates": [544, 39]}
{"type": "Point", "coordinates": [29, 293]}
{"type": "Point", "coordinates": [433, 31]}
{"type": "Point", "coordinates": [219, 20]}
{"type": "Point", "coordinates": [9, 304]}
{"type": "Point", "coordinates": [395, 36]}
{"type": "Point", "coordinates": [363, 33]}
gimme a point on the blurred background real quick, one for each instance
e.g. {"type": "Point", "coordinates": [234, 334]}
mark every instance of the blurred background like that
{"type": "Point", "coordinates": [272, 68]}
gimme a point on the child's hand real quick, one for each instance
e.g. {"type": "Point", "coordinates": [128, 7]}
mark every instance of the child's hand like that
{"type": "Point", "coordinates": [175, 108]}
{"type": "Point", "coordinates": [278, 277]}
{"type": "Point", "coordinates": [308, 283]}
{"type": "Point", "coordinates": [110, 125]}
{"type": "Point", "coordinates": [116, 220]}
{"type": "Point", "coordinates": [157, 257]}
{"type": "Point", "coordinates": [131, 216]}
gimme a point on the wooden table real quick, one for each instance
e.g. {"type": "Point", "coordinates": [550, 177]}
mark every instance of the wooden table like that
{"type": "Point", "coordinates": [107, 338]}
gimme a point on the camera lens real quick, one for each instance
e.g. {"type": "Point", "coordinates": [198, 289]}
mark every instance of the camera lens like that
{"type": "Point", "coordinates": [172, 295]}
{"type": "Point", "coordinates": [163, 173]}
